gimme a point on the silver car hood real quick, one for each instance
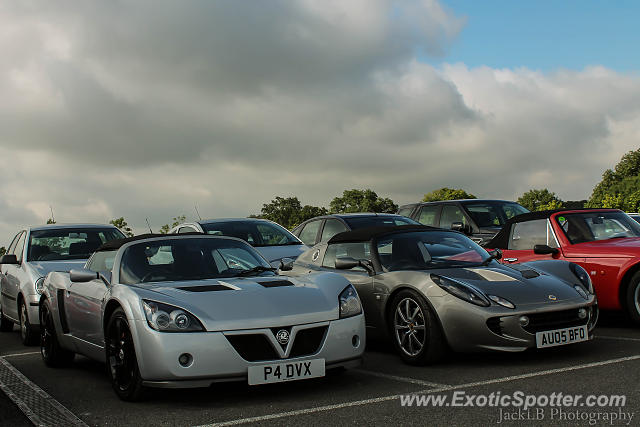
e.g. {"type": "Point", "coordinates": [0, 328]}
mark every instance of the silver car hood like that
{"type": "Point", "coordinates": [42, 268]}
{"type": "Point", "coordinates": [513, 285]}
{"type": "Point", "coordinates": [274, 254]}
{"type": "Point", "coordinates": [249, 303]}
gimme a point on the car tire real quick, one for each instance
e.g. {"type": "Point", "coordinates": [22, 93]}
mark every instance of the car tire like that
{"type": "Point", "coordinates": [122, 363]}
{"type": "Point", "coordinates": [6, 325]}
{"type": "Point", "coordinates": [27, 333]}
{"type": "Point", "coordinates": [414, 329]}
{"type": "Point", "coordinates": [633, 298]}
{"type": "Point", "coordinates": [52, 353]}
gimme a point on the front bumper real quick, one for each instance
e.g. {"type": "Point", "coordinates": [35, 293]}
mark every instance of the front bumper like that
{"type": "Point", "coordinates": [472, 328]}
{"type": "Point", "coordinates": [214, 358]}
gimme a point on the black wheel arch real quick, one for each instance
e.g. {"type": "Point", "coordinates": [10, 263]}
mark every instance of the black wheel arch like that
{"type": "Point", "coordinates": [625, 283]}
{"type": "Point", "coordinates": [111, 306]}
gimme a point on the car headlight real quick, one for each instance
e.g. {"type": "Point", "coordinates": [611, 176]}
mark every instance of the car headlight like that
{"type": "Point", "coordinates": [40, 285]}
{"type": "Point", "coordinates": [581, 291]}
{"type": "Point", "coordinates": [167, 318]}
{"type": "Point", "coordinates": [349, 302]}
{"type": "Point", "coordinates": [582, 276]}
{"type": "Point", "coordinates": [501, 301]}
{"type": "Point", "coordinates": [461, 290]}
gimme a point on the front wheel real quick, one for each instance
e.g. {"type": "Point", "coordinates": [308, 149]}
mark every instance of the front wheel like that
{"type": "Point", "coordinates": [415, 330]}
{"type": "Point", "coordinates": [29, 337]}
{"type": "Point", "coordinates": [633, 298]}
{"type": "Point", "coordinates": [121, 358]}
{"type": "Point", "coordinates": [52, 353]}
{"type": "Point", "coordinates": [6, 325]}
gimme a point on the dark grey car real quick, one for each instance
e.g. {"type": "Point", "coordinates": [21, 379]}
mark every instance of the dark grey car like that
{"type": "Point", "coordinates": [477, 218]}
{"type": "Point", "coordinates": [429, 289]}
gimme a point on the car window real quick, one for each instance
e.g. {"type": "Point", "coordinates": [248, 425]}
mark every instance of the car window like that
{"type": "Point", "coordinates": [406, 211]}
{"type": "Point", "coordinates": [589, 226]}
{"type": "Point", "coordinates": [310, 232]}
{"type": "Point", "coordinates": [493, 214]}
{"type": "Point", "coordinates": [428, 215]}
{"type": "Point", "coordinates": [358, 250]}
{"type": "Point", "coordinates": [274, 235]}
{"type": "Point", "coordinates": [102, 261]}
{"type": "Point", "coordinates": [186, 229]}
{"type": "Point", "coordinates": [68, 243]}
{"type": "Point", "coordinates": [378, 221]}
{"type": "Point", "coordinates": [331, 228]}
{"type": "Point", "coordinates": [13, 243]}
{"type": "Point", "coordinates": [525, 235]}
{"type": "Point", "coordinates": [451, 214]}
{"type": "Point", "coordinates": [253, 232]}
{"type": "Point", "coordinates": [18, 249]}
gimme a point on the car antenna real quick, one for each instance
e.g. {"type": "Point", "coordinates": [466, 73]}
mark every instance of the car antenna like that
{"type": "Point", "coordinates": [198, 213]}
{"type": "Point", "coordinates": [53, 219]}
{"type": "Point", "coordinates": [148, 225]}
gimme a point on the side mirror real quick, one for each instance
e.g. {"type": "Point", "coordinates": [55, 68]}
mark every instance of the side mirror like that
{"type": "Point", "coordinates": [286, 264]}
{"type": "Point", "coordinates": [9, 259]}
{"type": "Point", "coordinates": [346, 263]}
{"type": "Point", "coordinates": [496, 254]}
{"type": "Point", "coordinates": [544, 250]}
{"type": "Point", "coordinates": [459, 226]}
{"type": "Point", "coordinates": [83, 275]}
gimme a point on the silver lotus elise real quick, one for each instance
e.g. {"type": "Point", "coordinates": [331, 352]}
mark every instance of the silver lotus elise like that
{"type": "Point", "coordinates": [428, 289]}
{"type": "Point", "coordinates": [191, 310]}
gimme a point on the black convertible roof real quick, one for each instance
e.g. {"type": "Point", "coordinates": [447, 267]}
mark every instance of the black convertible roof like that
{"type": "Point", "coordinates": [501, 240]}
{"type": "Point", "coordinates": [367, 233]}
{"type": "Point", "coordinates": [113, 245]}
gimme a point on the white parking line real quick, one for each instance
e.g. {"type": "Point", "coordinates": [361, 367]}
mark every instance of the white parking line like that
{"type": "Point", "coordinates": [617, 338]}
{"type": "Point", "coordinates": [429, 391]}
{"type": "Point", "coordinates": [20, 354]}
{"type": "Point", "coordinates": [401, 379]}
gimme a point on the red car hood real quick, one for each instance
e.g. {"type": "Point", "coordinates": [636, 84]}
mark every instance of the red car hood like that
{"type": "Point", "coordinates": [610, 248]}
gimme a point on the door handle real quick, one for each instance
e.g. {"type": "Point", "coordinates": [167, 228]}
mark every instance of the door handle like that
{"type": "Point", "coordinates": [511, 259]}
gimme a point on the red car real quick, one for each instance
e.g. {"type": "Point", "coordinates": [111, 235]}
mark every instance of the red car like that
{"type": "Point", "coordinates": [605, 242]}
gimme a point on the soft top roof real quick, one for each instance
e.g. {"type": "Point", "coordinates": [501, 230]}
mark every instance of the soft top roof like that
{"type": "Point", "coordinates": [367, 233]}
{"type": "Point", "coordinates": [113, 245]}
{"type": "Point", "coordinates": [501, 240]}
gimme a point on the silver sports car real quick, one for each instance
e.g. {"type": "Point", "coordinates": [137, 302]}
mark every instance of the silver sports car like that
{"type": "Point", "coordinates": [427, 288]}
{"type": "Point", "coordinates": [32, 254]}
{"type": "Point", "coordinates": [191, 310]}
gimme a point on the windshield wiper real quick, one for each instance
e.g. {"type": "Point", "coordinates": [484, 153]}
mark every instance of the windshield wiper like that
{"type": "Point", "coordinates": [256, 269]}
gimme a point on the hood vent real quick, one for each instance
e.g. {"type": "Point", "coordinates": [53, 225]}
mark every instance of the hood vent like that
{"type": "Point", "coordinates": [276, 283]}
{"type": "Point", "coordinates": [206, 288]}
{"type": "Point", "coordinates": [529, 274]}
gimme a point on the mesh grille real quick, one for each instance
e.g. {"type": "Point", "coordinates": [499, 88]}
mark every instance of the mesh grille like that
{"type": "Point", "coordinates": [539, 322]}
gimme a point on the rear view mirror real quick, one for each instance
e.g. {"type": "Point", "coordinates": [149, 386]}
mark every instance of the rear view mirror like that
{"type": "Point", "coordinates": [346, 263]}
{"type": "Point", "coordinates": [544, 250]}
{"type": "Point", "coordinates": [286, 264]}
{"type": "Point", "coordinates": [496, 254]}
{"type": "Point", "coordinates": [83, 275]}
{"type": "Point", "coordinates": [9, 259]}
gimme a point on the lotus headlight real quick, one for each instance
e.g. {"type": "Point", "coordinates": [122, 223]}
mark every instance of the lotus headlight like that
{"type": "Point", "coordinates": [461, 290]}
{"type": "Point", "coordinates": [40, 285]}
{"type": "Point", "coordinates": [501, 301]}
{"type": "Point", "coordinates": [581, 291]}
{"type": "Point", "coordinates": [167, 318]}
{"type": "Point", "coordinates": [349, 302]}
{"type": "Point", "coordinates": [582, 276]}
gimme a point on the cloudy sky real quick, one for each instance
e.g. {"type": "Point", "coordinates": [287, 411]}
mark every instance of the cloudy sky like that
{"type": "Point", "coordinates": [143, 109]}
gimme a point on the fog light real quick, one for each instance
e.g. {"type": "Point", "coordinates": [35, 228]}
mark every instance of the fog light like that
{"type": "Point", "coordinates": [185, 359]}
{"type": "Point", "coordinates": [582, 313]}
{"type": "Point", "coordinates": [355, 341]}
{"type": "Point", "coordinates": [524, 320]}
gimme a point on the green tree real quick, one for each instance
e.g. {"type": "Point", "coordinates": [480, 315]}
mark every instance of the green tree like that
{"type": "Point", "coordinates": [447, 194]}
{"type": "Point", "coordinates": [122, 225]}
{"type": "Point", "coordinates": [177, 220]}
{"type": "Point", "coordinates": [51, 221]}
{"type": "Point", "coordinates": [288, 211]}
{"type": "Point", "coordinates": [3, 250]}
{"type": "Point", "coordinates": [620, 187]}
{"type": "Point", "coordinates": [540, 200]}
{"type": "Point", "coordinates": [361, 201]}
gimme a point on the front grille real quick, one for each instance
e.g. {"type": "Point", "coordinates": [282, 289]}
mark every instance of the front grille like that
{"type": "Point", "coordinates": [253, 347]}
{"type": "Point", "coordinates": [539, 322]}
{"type": "Point", "coordinates": [308, 341]}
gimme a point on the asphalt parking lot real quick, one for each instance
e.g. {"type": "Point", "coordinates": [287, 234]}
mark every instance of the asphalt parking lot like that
{"type": "Point", "coordinates": [81, 394]}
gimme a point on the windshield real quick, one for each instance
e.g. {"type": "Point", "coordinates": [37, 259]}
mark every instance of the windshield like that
{"type": "Point", "coordinates": [68, 243]}
{"type": "Point", "coordinates": [256, 233]}
{"type": "Point", "coordinates": [589, 226]}
{"type": "Point", "coordinates": [378, 221]}
{"type": "Point", "coordinates": [493, 214]}
{"type": "Point", "coordinates": [189, 259]}
{"type": "Point", "coordinates": [428, 249]}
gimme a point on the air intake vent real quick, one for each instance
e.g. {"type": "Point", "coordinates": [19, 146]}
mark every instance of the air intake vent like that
{"type": "Point", "coordinates": [207, 288]}
{"type": "Point", "coordinates": [529, 274]}
{"type": "Point", "coordinates": [276, 283]}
